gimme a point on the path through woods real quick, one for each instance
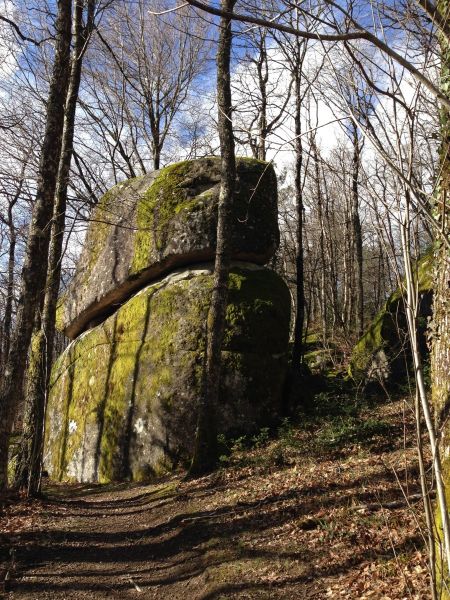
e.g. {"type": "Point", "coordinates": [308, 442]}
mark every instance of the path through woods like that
{"type": "Point", "coordinates": [279, 522]}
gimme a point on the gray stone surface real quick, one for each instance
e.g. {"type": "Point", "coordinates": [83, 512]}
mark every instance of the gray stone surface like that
{"type": "Point", "coordinates": [148, 226]}
{"type": "Point", "coordinates": [124, 394]}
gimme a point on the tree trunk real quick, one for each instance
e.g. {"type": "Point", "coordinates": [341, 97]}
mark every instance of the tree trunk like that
{"type": "Point", "coordinates": [28, 472]}
{"type": "Point", "coordinates": [347, 301]}
{"type": "Point", "coordinates": [323, 265]}
{"type": "Point", "coordinates": [297, 352]}
{"type": "Point", "coordinates": [35, 265]}
{"type": "Point", "coordinates": [357, 235]}
{"type": "Point", "coordinates": [156, 158]}
{"type": "Point", "coordinates": [205, 451]}
{"type": "Point", "coordinates": [440, 358]}
{"type": "Point", "coordinates": [7, 320]}
{"type": "Point", "coordinates": [262, 82]}
{"type": "Point", "coordinates": [6, 337]}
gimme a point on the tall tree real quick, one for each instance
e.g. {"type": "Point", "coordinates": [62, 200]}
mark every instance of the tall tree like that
{"type": "Point", "coordinates": [261, 94]}
{"type": "Point", "coordinates": [152, 63]}
{"type": "Point", "coordinates": [30, 456]}
{"type": "Point", "coordinates": [8, 311]}
{"type": "Point", "coordinates": [441, 308]}
{"type": "Point", "coordinates": [34, 269]}
{"type": "Point", "coordinates": [205, 451]}
{"type": "Point", "coordinates": [294, 51]}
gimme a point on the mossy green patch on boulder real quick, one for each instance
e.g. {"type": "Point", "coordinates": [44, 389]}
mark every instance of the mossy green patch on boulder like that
{"type": "Point", "coordinates": [147, 226]}
{"type": "Point", "coordinates": [382, 354]}
{"type": "Point", "coordinates": [180, 209]}
{"type": "Point", "coordinates": [123, 395]}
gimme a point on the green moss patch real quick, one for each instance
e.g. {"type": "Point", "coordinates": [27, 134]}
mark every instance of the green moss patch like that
{"type": "Point", "coordinates": [181, 190]}
{"type": "Point", "coordinates": [147, 226]}
{"type": "Point", "coordinates": [124, 394]}
{"type": "Point", "coordinates": [382, 348]}
{"type": "Point", "coordinates": [252, 297]}
{"type": "Point", "coordinates": [103, 222]}
{"type": "Point", "coordinates": [163, 199]}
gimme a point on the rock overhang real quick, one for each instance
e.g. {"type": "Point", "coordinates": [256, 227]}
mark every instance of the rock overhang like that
{"type": "Point", "coordinates": [150, 225]}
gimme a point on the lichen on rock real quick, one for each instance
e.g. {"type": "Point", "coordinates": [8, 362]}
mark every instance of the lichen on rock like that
{"type": "Point", "coordinates": [124, 394]}
{"type": "Point", "coordinates": [147, 226]}
{"type": "Point", "coordinates": [382, 353]}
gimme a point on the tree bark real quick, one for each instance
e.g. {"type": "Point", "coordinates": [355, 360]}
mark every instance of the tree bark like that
{"type": "Point", "coordinates": [35, 265]}
{"type": "Point", "coordinates": [297, 352]}
{"type": "Point", "coordinates": [440, 359]}
{"type": "Point", "coordinates": [357, 243]}
{"type": "Point", "coordinates": [28, 472]}
{"type": "Point", "coordinates": [7, 321]}
{"type": "Point", "coordinates": [323, 262]}
{"type": "Point", "coordinates": [263, 77]}
{"type": "Point", "coordinates": [205, 450]}
{"type": "Point", "coordinates": [156, 156]}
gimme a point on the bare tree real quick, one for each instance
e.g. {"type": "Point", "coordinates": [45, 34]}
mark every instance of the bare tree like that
{"type": "Point", "coordinates": [28, 471]}
{"type": "Point", "coordinates": [205, 451]}
{"type": "Point", "coordinates": [152, 62]}
{"type": "Point", "coordinates": [34, 268]}
{"type": "Point", "coordinates": [261, 93]}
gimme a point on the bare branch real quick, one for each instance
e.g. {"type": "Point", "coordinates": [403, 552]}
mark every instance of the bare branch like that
{"type": "Point", "coordinates": [164, 12]}
{"type": "Point", "coordinates": [361, 34]}
{"type": "Point", "coordinates": [16, 28]}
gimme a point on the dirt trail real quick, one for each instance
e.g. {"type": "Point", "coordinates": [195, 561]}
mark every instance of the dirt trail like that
{"type": "Point", "coordinates": [294, 526]}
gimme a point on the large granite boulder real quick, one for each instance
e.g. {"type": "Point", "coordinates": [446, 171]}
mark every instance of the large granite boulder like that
{"type": "Point", "coordinates": [124, 394]}
{"type": "Point", "coordinates": [146, 227]}
{"type": "Point", "coordinates": [383, 353]}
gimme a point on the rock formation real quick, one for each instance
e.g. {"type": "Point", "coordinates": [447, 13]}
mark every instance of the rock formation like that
{"type": "Point", "coordinates": [123, 395]}
{"type": "Point", "coordinates": [383, 353]}
{"type": "Point", "coordinates": [145, 227]}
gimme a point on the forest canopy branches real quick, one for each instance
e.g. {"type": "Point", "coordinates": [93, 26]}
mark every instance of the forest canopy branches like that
{"type": "Point", "coordinates": [360, 33]}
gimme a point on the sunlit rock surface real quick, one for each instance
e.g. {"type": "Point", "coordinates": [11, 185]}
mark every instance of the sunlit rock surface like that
{"type": "Point", "coordinates": [124, 394]}
{"type": "Point", "coordinates": [383, 353]}
{"type": "Point", "coordinates": [148, 226]}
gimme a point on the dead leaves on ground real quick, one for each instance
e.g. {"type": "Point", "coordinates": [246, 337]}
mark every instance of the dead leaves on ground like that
{"type": "Point", "coordinates": [300, 526]}
{"type": "Point", "coordinates": [314, 512]}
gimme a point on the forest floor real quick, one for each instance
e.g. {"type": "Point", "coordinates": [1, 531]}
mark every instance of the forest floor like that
{"type": "Point", "coordinates": [316, 511]}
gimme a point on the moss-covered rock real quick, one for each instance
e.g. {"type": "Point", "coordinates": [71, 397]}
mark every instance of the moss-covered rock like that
{"type": "Point", "coordinates": [147, 226]}
{"type": "Point", "coordinates": [124, 394]}
{"type": "Point", "coordinates": [382, 354]}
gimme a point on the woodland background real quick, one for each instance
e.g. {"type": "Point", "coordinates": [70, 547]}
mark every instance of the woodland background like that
{"type": "Point", "coordinates": [352, 111]}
